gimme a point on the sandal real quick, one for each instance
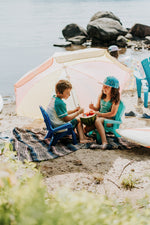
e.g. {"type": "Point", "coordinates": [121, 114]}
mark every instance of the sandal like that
{"type": "Point", "coordinates": [144, 116]}
{"type": "Point", "coordinates": [131, 113]}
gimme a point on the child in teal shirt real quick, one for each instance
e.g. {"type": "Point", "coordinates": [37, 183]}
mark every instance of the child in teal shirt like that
{"type": "Point", "coordinates": [58, 113]}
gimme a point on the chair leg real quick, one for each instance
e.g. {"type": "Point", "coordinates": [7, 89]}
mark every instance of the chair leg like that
{"type": "Point", "coordinates": [51, 142]}
{"type": "Point", "coordinates": [116, 134]}
{"type": "Point", "coordinates": [139, 85]}
{"type": "Point", "coordinates": [54, 142]}
{"type": "Point", "coordinates": [98, 137]}
{"type": "Point", "coordinates": [48, 135]}
{"type": "Point", "coordinates": [74, 138]}
{"type": "Point", "coordinates": [146, 99]}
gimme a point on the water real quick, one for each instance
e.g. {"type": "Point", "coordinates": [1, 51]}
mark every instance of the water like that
{"type": "Point", "coordinates": [30, 27]}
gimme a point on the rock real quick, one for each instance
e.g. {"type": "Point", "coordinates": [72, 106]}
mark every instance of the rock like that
{"type": "Point", "coordinates": [121, 41]}
{"type": "Point", "coordinates": [129, 36]}
{"type": "Point", "coordinates": [147, 40]}
{"type": "Point", "coordinates": [87, 43]}
{"type": "Point", "coordinates": [63, 44]}
{"type": "Point", "coordinates": [138, 47]}
{"type": "Point", "coordinates": [105, 30]}
{"type": "Point", "coordinates": [78, 40]}
{"type": "Point", "coordinates": [73, 30]}
{"type": "Point", "coordinates": [102, 14]}
{"type": "Point", "coordinates": [148, 47]}
{"type": "Point", "coordinates": [140, 30]}
{"type": "Point", "coordinates": [130, 44]}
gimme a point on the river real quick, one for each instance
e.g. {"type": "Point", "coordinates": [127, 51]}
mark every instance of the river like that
{"type": "Point", "coordinates": [29, 28]}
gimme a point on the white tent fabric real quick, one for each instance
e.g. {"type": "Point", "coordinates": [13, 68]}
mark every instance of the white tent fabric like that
{"type": "Point", "coordinates": [86, 69]}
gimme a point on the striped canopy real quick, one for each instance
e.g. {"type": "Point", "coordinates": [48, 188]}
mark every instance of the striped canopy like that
{"type": "Point", "coordinates": [86, 69]}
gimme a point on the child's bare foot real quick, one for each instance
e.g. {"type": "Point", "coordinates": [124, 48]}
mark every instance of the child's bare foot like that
{"type": "Point", "coordinates": [87, 138]}
{"type": "Point", "coordinates": [84, 141]}
{"type": "Point", "coordinates": [47, 141]}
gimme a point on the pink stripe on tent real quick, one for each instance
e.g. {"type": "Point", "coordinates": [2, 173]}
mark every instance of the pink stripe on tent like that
{"type": "Point", "coordinates": [34, 73]}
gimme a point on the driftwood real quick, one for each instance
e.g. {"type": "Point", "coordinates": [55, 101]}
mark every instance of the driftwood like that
{"type": "Point", "coordinates": [129, 163]}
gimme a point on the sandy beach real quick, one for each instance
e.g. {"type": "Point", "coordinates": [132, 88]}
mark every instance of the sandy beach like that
{"type": "Point", "coordinates": [99, 171]}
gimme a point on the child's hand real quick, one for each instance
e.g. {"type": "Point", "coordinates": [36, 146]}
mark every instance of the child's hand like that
{"type": "Point", "coordinates": [77, 109]}
{"type": "Point", "coordinates": [91, 106]}
{"type": "Point", "coordinates": [97, 113]}
{"type": "Point", "coordinates": [81, 110]}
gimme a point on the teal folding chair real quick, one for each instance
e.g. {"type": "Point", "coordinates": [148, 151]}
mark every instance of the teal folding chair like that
{"type": "Point", "coordinates": [115, 123]}
{"type": "Point", "coordinates": [143, 83]}
{"type": "Point", "coordinates": [57, 133]}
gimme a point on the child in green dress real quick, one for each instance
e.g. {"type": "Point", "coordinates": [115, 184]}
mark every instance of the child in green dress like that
{"type": "Point", "coordinates": [106, 107]}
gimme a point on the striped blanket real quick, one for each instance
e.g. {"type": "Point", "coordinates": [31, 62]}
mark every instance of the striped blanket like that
{"type": "Point", "coordinates": [31, 146]}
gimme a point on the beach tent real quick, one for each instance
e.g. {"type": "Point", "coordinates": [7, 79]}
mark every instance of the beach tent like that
{"type": "Point", "coordinates": [86, 69]}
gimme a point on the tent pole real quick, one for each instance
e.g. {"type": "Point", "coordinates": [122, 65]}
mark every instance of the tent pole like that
{"type": "Point", "coordinates": [68, 77]}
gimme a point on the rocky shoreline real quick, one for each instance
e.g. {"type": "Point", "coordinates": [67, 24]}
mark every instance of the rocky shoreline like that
{"type": "Point", "coordinates": [105, 29]}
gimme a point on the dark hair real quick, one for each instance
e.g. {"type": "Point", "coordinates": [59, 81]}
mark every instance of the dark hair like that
{"type": "Point", "coordinates": [62, 85]}
{"type": "Point", "coordinates": [114, 54]}
{"type": "Point", "coordinates": [115, 95]}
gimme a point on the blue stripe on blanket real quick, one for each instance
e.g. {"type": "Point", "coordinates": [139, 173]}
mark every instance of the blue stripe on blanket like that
{"type": "Point", "coordinates": [30, 148]}
{"type": "Point", "coordinates": [41, 142]}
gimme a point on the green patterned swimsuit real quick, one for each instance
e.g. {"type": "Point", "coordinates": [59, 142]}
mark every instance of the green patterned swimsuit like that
{"type": "Point", "coordinates": [105, 106]}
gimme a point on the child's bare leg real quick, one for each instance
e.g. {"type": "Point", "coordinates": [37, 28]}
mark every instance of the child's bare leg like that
{"type": "Point", "coordinates": [82, 137]}
{"type": "Point", "coordinates": [100, 128]}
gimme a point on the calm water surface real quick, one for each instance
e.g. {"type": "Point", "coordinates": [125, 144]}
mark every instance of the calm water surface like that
{"type": "Point", "coordinates": [30, 27]}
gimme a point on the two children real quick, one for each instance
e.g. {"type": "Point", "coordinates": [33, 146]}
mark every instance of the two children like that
{"type": "Point", "coordinates": [106, 107]}
{"type": "Point", "coordinates": [58, 113]}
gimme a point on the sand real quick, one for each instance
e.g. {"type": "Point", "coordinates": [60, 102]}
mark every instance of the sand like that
{"type": "Point", "coordinates": [98, 171]}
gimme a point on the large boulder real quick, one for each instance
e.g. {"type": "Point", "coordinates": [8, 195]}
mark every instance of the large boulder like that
{"type": "Point", "coordinates": [105, 30]}
{"type": "Point", "coordinates": [107, 14]}
{"type": "Point", "coordinates": [140, 30]}
{"type": "Point", "coordinates": [73, 30]}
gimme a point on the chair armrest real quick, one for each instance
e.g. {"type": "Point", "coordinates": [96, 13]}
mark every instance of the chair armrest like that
{"type": "Point", "coordinates": [106, 121]}
{"type": "Point", "coordinates": [62, 127]}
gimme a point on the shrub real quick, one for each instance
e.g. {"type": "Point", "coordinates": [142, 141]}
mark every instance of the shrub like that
{"type": "Point", "coordinates": [25, 201]}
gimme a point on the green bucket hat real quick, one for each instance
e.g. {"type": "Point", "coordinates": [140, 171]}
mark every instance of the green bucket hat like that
{"type": "Point", "coordinates": [111, 81]}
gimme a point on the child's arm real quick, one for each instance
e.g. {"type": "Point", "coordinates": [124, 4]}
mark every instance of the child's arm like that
{"type": "Point", "coordinates": [97, 107]}
{"type": "Point", "coordinates": [74, 110]}
{"type": "Point", "coordinates": [73, 115]}
{"type": "Point", "coordinates": [110, 114]}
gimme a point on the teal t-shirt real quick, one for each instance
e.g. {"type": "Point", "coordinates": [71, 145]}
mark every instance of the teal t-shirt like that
{"type": "Point", "coordinates": [60, 107]}
{"type": "Point", "coordinates": [56, 111]}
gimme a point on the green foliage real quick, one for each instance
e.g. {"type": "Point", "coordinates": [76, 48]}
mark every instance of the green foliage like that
{"type": "Point", "coordinates": [21, 203]}
{"type": "Point", "coordinates": [2, 148]}
{"type": "Point", "coordinates": [89, 209]}
{"type": "Point", "coordinates": [24, 200]}
{"type": "Point", "coordinates": [9, 146]}
{"type": "Point", "coordinates": [28, 202]}
{"type": "Point", "coordinates": [129, 182]}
